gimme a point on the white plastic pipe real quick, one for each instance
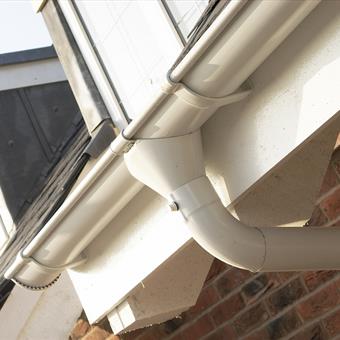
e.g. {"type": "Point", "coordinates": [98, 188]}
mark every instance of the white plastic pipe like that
{"type": "Point", "coordinates": [253, 248]}
{"type": "Point", "coordinates": [174, 168]}
{"type": "Point", "coordinates": [176, 111]}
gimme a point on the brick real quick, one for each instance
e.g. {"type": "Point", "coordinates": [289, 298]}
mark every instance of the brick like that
{"type": "Point", "coordinates": [80, 329]}
{"type": "Point", "coordinates": [285, 276]}
{"type": "Point", "coordinates": [285, 296]}
{"type": "Point", "coordinates": [337, 143]}
{"type": "Point", "coordinates": [113, 337]}
{"type": "Point", "coordinates": [318, 218]}
{"type": "Point", "coordinates": [319, 303]}
{"type": "Point", "coordinates": [173, 325]}
{"type": "Point", "coordinates": [226, 333]}
{"type": "Point", "coordinates": [283, 325]}
{"type": "Point", "coordinates": [207, 298]}
{"type": "Point", "coordinates": [334, 223]}
{"type": "Point", "coordinates": [96, 333]}
{"type": "Point", "coordinates": [335, 160]}
{"type": "Point", "coordinates": [260, 286]}
{"type": "Point", "coordinates": [330, 180]}
{"type": "Point", "coordinates": [315, 279]}
{"type": "Point", "coordinates": [105, 324]}
{"type": "Point", "coordinates": [332, 324]}
{"type": "Point", "coordinates": [250, 319]}
{"type": "Point", "coordinates": [133, 334]}
{"type": "Point", "coordinates": [227, 309]}
{"type": "Point", "coordinates": [216, 268]}
{"type": "Point", "coordinates": [330, 205]}
{"type": "Point", "coordinates": [198, 329]}
{"type": "Point", "coordinates": [152, 333]}
{"type": "Point", "coordinates": [176, 337]}
{"type": "Point", "coordinates": [232, 279]}
{"type": "Point", "coordinates": [315, 332]}
{"type": "Point", "coordinates": [262, 334]}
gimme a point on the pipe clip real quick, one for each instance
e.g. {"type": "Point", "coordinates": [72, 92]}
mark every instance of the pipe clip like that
{"type": "Point", "coordinates": [129, 144]}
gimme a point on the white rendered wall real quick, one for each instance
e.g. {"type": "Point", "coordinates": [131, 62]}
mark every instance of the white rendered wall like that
{"type": "Point", "coordinates": [295, 91]}
{"type": "Point", "coordinates": [48, 315]}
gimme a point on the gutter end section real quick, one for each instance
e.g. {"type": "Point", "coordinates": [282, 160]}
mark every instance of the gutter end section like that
{"type": "Point", "coordinates": [31, 275]}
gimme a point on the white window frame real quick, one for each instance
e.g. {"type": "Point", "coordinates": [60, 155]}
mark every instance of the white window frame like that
{"type": "Point", "coordinates": [101, 78]}
{"type": "Point", "coordinates": [90, 56]}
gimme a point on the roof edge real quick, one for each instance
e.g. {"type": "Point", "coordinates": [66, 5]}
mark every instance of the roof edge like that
{"type": "Point", "coordinates": [25, 56]}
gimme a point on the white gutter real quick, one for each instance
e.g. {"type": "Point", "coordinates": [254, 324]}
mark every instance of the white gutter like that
{"type": "Point", "coordinates": [176, 111]}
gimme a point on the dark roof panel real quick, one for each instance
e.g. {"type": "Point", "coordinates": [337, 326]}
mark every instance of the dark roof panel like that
{"type": "Point", "coordinates": [27, 56]}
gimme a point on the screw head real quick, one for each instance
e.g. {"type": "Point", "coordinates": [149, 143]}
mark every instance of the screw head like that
{"type": "Point", "coordinates": [173, 206]}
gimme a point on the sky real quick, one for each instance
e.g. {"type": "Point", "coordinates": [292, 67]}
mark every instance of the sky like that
{"type": "Point", "coordinates": [20, 27]}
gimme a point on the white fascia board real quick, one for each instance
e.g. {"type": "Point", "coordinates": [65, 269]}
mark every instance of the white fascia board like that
{"type": "Point", "coordinates": [30, 74]}
{"type": "Point", "coordinates": [142, 236]}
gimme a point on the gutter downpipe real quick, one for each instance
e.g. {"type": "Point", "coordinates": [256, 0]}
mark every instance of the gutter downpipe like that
{"type": "Point", "coordinates": [177, 111]}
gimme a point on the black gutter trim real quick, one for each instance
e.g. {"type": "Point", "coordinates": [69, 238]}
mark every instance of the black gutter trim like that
{"type": "Point", "coordinates": [25, 56]}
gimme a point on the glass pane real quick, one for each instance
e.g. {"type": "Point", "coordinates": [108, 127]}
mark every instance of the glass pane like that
{"type": "Point", "coordinates": [186, 13]}
{"type": "Point", "coordinates": [136, 44]}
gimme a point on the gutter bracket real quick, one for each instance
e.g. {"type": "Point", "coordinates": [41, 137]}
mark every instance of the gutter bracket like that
{"type": "Point", "coordinates": [196, 99]}
{"type": "Point", "coordinates": [77, 262]}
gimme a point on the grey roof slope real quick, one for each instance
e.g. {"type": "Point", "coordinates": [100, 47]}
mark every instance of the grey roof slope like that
{"type": "Point", "coordinates": [32, 220]}
{"type": "Point", "coordinates": [25, 56]}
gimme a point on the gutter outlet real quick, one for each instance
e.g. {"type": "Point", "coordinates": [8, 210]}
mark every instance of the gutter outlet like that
{"type": "Point", "coordinates": [174, 168]}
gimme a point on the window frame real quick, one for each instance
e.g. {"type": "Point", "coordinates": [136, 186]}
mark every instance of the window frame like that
{"type": "Point", "coordinates": [96, 65]}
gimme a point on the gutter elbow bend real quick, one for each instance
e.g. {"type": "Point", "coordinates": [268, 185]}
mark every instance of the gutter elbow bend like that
{"type": "Point", "coordinates": [216, 230]}
{"type": "Point", "coordinates": [256, 249]}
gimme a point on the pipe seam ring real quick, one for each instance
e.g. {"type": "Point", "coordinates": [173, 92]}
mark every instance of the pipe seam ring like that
{"type": "Point", "coordinates": [265, 249]}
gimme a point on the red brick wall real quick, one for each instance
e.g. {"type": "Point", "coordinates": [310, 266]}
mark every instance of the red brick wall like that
{"type": "Point", "coordinates": [236, 304]}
